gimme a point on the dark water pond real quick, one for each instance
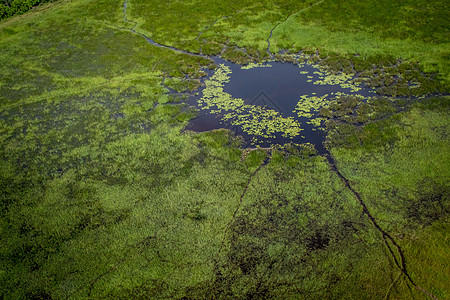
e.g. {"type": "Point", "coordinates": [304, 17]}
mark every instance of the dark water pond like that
{"type": "Point", "coordinates": [278, 87]}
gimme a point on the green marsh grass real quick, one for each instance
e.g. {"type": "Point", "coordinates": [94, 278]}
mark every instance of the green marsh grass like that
{"type": "Point", "coordinates": [104, 195]}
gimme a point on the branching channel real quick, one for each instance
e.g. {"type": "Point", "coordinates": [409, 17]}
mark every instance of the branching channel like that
{"type": "Point", "coordinates": [400, 263]}
{"type": "Point", "coordinates": [241, 198]}
{"type": "Point", "coordinates": [125, 6]}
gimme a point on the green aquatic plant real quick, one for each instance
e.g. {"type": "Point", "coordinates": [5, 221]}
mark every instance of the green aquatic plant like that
{"type": "Point", "coordinates": [266, 123]}
{"type": "Point", "coordinates": [309, 106]}
{"type": "Point", "coordinates": [255, 120]}
{"type": "Point", "coordinates": [258, 121]}
{"type": "Point", "coordinates": [343, 80]}
{"type": "Point", "coordinates": [325, 77]}
{"type": "Point", "coordinates": [255, 65]}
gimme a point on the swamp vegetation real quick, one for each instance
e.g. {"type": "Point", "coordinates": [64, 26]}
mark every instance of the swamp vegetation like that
{"type": "Point", "coordinates": [108, 193]}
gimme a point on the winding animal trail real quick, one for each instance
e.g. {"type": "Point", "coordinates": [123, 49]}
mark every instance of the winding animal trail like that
{"type": "Point", "coordinates": [125, 4]}
{"type": "Point", "coordinates": [296, 13]}
{"type": "Point", "coordinates": [241, 198]}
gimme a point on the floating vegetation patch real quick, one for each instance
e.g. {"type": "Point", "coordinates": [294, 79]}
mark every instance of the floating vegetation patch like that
{"type": "Point", "coordinates": [309, 106]}
{"type": "Point", "coordinates": [254, 120]}
{"type": "Point", "coordinates": [254, 65]}
{"type": "Point", "coordinates": [275, 102]}
{"type": "Point", "coordinates": [258, 121]}
{"type": "Point", "coordinates": [319, 108]}
{"type": "Point", "coordinates": [341, 79]}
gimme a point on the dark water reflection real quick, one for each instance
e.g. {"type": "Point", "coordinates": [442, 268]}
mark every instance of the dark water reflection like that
{"type": "Point", "coordinates": [278, 87]}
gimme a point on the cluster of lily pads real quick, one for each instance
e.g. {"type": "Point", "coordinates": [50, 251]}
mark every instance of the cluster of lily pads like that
{"type": "Point", "coordinates": [266, 123]}
{"type": "Point", "coordinates": [253, 119]}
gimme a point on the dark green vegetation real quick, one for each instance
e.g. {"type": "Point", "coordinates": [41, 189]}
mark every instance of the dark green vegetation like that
{"type": "Point", "coordinates": [16, 7]}
{"type": "Point", "coordinates": [103, 195]}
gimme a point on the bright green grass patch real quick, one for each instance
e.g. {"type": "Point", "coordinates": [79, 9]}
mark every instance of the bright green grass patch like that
{"type": "Point", "coordinates": [414, 19]}
{"type": "Point", "coordinates": [324, 27]}
{"type": "Point", "coordinates": [433, 57]}
{"type": "Point", "coordinates": [428, 258]}
{"type": "Point", "coordinates": [247, 23]}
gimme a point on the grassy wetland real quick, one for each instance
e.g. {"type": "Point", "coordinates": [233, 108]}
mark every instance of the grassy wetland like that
{"type": "Point", "coordinates": [106, 194]}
